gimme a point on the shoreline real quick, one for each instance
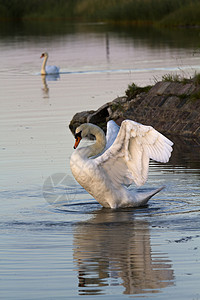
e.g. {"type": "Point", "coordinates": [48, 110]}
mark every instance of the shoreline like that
{"type": "Point", "coordinates": [165, 13]}
{"type": "Point", "coordinates": [171, 107]}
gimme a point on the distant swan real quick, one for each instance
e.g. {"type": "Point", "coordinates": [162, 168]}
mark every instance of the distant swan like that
{"type": "Point", "coordinates": [105, 168]}
{"type": "Point", "coordinates": [48, 69]}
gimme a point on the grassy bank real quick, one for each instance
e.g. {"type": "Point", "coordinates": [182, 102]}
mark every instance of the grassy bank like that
{"type": "Point", "coordinates": [188, 15]}
{"type": "Point", "coordinates": [37, 9]}
{"type": "Point", "coordinates": [163, 12]}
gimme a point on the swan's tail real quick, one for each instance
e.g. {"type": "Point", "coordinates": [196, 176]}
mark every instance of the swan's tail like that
{"type": "Point", "coordinates": [142, 197]}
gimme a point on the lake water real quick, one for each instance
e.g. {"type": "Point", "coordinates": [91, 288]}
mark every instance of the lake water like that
{"type": "Point", "coordinates": [59, 243]}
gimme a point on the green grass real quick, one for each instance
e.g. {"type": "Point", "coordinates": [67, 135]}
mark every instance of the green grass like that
{"type": "Point", "coordinates": [196, 79]}
{"type": "Point", "coordinates": [195, 97]}
{"type": "Point", "coordinates": [162, 12]}
{"type": "Point", "coordinates": [188, 15]}
{"type": "Point", "coordinates": [117, 105]}
{"type": "Point", "coordinates": [134, 90]}
{"type": "Point", "coordinates": [170, 77]}
{"type": "Point", "coordinates": [37, 9]}
{"type": "Point", "coordinates": [176, 78]}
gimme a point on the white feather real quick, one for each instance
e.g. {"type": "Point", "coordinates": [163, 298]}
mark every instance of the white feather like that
{"type": "Point", "coordinates": [125, 159]}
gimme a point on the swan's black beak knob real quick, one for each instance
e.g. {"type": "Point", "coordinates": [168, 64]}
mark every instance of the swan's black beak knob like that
{"type": "Point", "coordinates": [78, 138]}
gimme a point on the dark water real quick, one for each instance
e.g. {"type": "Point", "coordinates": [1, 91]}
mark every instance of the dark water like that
{"type": "Point", "coordinates": [59, 243]}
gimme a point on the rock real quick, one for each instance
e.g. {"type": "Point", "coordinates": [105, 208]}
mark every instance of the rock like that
{"type": "Point", "coordinates": [170, 107]}
{"type": "Point", "coordinates": [78, 119]}
{"type": "Point", "coordinates": [99, 117]}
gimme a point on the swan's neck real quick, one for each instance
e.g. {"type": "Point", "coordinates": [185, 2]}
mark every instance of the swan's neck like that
{"type": "Point", "coordinates": [43, 70]}
{"type": "Point", "coordinates": [99, 145]}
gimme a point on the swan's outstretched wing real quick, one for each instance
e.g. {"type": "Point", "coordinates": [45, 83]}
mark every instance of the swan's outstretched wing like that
{"type": "Point", "coordinates": [111, 133]}
{"type": "Point", "coordinates": [127, 160]}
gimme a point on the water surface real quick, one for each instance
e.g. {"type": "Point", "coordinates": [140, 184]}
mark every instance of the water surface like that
{"type": "Point", "coordinates": [60, 243]}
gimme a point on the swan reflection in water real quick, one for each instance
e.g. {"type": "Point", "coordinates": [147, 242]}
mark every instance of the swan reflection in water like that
{"type": "Point", "coordinates": [45, 78]}
{"type": "Point", "coordinates": [113, 249]}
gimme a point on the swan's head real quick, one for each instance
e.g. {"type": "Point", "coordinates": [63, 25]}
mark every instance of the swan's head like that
{"type": "Point", "coordinates": [81, 132]}
{"type": "Point", "coordinates": [45, 54]}
{"type": "Point", "coordinates": [86, 130]}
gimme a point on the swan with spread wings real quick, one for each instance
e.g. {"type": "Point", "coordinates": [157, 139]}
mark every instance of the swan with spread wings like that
{"type": "Point", "coordinates": [106, 168]}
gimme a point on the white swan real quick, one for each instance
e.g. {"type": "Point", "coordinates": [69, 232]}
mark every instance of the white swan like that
{"type": "Point", "coordinates": [105, 168]}
{"type": "Point", "coordinates": [48, 69]}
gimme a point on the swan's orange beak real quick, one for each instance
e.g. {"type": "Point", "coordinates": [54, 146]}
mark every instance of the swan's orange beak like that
{"type": "Point", "coordinates": [42, 55]}
{"type": "Point", "coordinates": [77, 141]}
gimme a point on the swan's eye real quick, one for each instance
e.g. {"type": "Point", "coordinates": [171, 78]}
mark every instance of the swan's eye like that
{"type": "Point", "coordinates": [78, 135]}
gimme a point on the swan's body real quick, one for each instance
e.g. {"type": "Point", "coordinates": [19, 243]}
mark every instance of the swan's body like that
{"type": "Point", "coordinates": [48, 69]}
{"type": "Point", "coordinates": [105, 168]}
